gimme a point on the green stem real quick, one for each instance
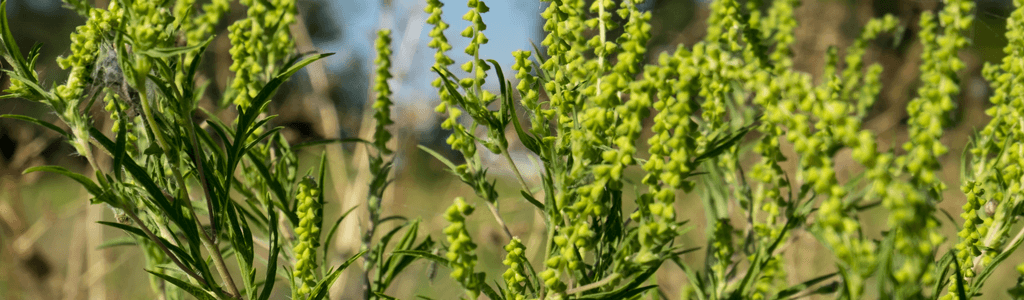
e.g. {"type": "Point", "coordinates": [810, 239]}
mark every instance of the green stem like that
{"type": "Point", "coordinates": [515, 169]}
{"type": "Point", "coordinates": [218, 258]}
{"type": "Point", "coordinates": [547, 254]}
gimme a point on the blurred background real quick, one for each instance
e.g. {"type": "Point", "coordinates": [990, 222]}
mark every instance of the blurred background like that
{"type": "Point", "coordinates": [48, 234]}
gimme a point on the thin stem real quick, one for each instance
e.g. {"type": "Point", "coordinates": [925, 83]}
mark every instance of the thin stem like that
{"type": "Point", "coordinates": [198, 161]}
{"type": "Point", "coordinates": [547, 255]}
{"type": "Point", "coordinates": [218, 261]}
{"type": "Point", "coordinates": [218, 258]}
{"type": "Point", "coordinates": [497, 217]}
{"type": "Point", "coordinates": [515, 169]}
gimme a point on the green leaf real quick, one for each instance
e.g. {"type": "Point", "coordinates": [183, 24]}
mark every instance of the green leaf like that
{"type": "Point", "coordinates": [942, 273]}
{"type": "Point", "coordinates": [960, 286]}
{"type": "Point", "coordinates": [93, 189]}
{"type": "Point", "coordinates": [275, 248]}
{"type": "Point", "coordinates": [119, 147]}
{"type": "Point", "coordinates": [320, 198]}
{"type": "Point", "coordinates": [276, 187]}
{"type": "Point", "coordinates": [330, 234]}
{"type": "Point", "coordinates": [320, 292]}
{"type": "Point", "coordinates": [438, 156]}
{"type": "Point", "coordinates": [793, 290]}
{"type": "Point", "coordinates": [423, 254]}
{"type": "Point", "coordinates": [117, 242]}
{"type": "Point", "coordinates": [39, 122]}
{"type": "Point", "coordinates": [241, 241]}
{"type": "Point", "coordinates": [180, 253]}
{"type": "Point", "coordinates": [724, 143]}
{"type": "Point", "coordinates": [487, 290]}
{"type": "Point", "coordinates": [532, 200]}
{"type": "Point", "coordinates": [979, 280]}
{"type": "Point", "coordinates": [395, 264]}
{"type": "Point", "coordinates": [12, 53]}
{"type": "Point", "coordinates": [193, 290]}
{"type": "Point", "coordinates": [692, 276]}
{"type": "Point", "coordinates": [31, 83]}
{"type": "Point", "coordinates": [378, 294]}
{"type": "Point", "coordinates": [330, 141]}
{"type": "Point", "coordinates": [164, 52]}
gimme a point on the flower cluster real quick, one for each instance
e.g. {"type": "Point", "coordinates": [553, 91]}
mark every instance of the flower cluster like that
{"type": "Point", "coordinates": [382, 106]}
{"type": "Point", "coordinates": [85, 47]}
{"type": "Point", "coordinates": [461, 139]}
{"type": "Point", "coordinates": [202, 25]}
{"type": "Point", "coordinates": [671, 148]}
{"type": "Point", "coordinates": [515, 275]}
{"type": "Point", "coordinates": [310, 213]}
{"type": "Point", "coordinates": [476, 67]}
{"type": "Point", "coordinates": [259, 43]}
{"type": "Point", "coordinates": [994, 177]}
{"type": "Point", "coordinates": [461, 249]}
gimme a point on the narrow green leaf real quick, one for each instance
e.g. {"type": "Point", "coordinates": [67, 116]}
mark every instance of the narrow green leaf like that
{"type": "Point", "coordinates": [275, 248]}
{"type": "Point", "coordinates": [942, 273]}
{"type": "Point", "coordinates": [13, 53]}
{"type": "Point", "coordinates": [330, 141]}
{"type": "Point", "coordinates": [181, 254]}
{"type": "Point", "coordinates": [330, 234]}
{"type": "Point", "coordinates": [423, 254]}
{"type": "Point", "coordinates": [320, 292]}
{"type": "Point", "coordinates": [276, 187]}
{"type": "Point", "coordinates": [487, 290]}
{"type": "Point", "coordinates": [793, 290]}
{"type": "Point", "coordinates": [117, 242]}
{"type": "Point", "coordinates": [720, 145]}
{"type": "Point", "coordinates": [39, 122]}
{"type": "Point", "coordinates": [320, 198]}
{"type": "Point", "coordinates": [191, 289]}
{"type": "Point", "coordinates": [93, 189]}
{"type": "Point", "coordinates": [960, 286]}
{"type": "Point", "coordinates": [438, 156]}
{"type": "Point", "coordinates": [395, 264]}
{"type": "Point", "coordinates": [532, 200]}
{"type": "Point", "coordinates": [979, 280]}
{"type": "Point", "coordinates": [164, 52]}
{"type": "Point", "coordinates": [378, 294]}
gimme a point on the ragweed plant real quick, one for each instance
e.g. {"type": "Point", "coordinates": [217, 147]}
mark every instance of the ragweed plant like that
{"type": "Point", "coordinates": [606, 117]}
{"type": "Point", "coordinates": [586, 95]}
{"type": "Point", "coordinates": [192, 191]}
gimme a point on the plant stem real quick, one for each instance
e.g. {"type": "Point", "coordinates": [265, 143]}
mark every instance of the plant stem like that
{"type": "Point", "coordinates": [218, 258]}
{"type": "Point", "coordinates": [497, 217]}
{"type": "Point", "coordinates": [547, 254]}
{"type": "Point", "coordinates": [198, 161]}
{"type": "Point", "coordinates": [218, 261]}
{"type": "Point", "coordinates": [515, 169]}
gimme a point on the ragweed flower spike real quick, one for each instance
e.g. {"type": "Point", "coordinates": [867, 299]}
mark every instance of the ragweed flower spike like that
{"type": "Point", "coordinates": [515, 275]}
{"type": "Point", "coordinates": [461, 139]}
{"type": "Point", "coordinates": [259, 43]}
{"type": "Point", "coordinates": [310, 213]}
{"type": "Point", "coordinates": [461, 249]}
{"type": "Point", "coordinates": [382, 106]}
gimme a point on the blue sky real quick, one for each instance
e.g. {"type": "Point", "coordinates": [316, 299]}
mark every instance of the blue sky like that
{"type": "Point", "coordinates": [511, 24]}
